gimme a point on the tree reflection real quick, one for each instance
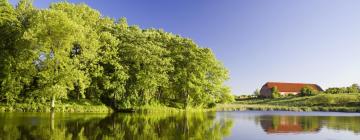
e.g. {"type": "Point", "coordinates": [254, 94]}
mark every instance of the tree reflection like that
{"type": "Point", "coordinates": [115, 126]}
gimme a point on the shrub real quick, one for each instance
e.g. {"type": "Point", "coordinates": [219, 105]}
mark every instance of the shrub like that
{"type": "Point", "coordinates": [307, 91]}
{"type": "Point", "coordinates": [257, 93]}
{"type": "Point", "coordinates": [275, 92]}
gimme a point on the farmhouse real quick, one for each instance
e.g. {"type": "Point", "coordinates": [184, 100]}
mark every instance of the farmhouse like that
{"type": "Point", "coordinates": [286, 88]}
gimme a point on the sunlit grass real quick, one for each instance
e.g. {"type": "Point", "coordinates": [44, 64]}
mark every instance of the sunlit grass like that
{"type": "Point", "coordinates": [321, 102]}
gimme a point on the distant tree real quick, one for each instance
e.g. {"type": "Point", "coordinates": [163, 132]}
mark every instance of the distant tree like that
{"type": "Point", "coordinates": [257, 93]}
{"type": "Point", "coordinates": [332, 90]}
{"type": "Point", "coordinates": [307, 91]}
{"type": "Point", "coordinates": [354, 88]}
{"type": "Point", "coordinates": [275, 92]}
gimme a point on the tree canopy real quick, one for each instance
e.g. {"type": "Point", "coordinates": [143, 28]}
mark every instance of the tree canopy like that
{"type": "Point", "coordinates": [70, 52]}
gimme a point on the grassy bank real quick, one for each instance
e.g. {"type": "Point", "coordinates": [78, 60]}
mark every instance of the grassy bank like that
{"type": "Point", "coordinates": [87, 106]}
{"type": "Point", "coordinates": [94, 108]}
{"type": "Point", "coordinates": [321, 102]}
{"type": "Point", "coordinates": [61, 107]}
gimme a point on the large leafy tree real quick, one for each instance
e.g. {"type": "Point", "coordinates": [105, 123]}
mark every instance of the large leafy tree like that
{"type": "Point", "coordinates": [108, 74]}
{"type": "Point", "coordinates": [52, 35]}
{"type": "Point", "coordinates": [145, 62]}
{"type": "Point", "coordinates": [198, 77]}
{"type": "Point", "coordinates": [83, 52]}
{"type": "Point", "coordinates": [9, 30]}
{"type": "Point", "coordinates": [16, 70]}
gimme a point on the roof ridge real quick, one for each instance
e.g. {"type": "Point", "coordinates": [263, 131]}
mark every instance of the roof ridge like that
{"type": "Point", "coordinates": [290, 83]}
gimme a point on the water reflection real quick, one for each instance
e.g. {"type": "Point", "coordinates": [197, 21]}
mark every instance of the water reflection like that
{"type": "Point", "coordinates": [289, 124]}
{"type": "Point", "coordinates": [229, 125]}
{"type": "Point", "coordinates": [307, 124]}
{"type": "Point", "coordinates": [114, 126]}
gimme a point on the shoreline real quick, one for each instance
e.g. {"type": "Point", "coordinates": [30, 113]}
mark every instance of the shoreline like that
{"type": "Point", "coordinates": [70, 108]}
{"type": "Point", "coordinates": [218, 108]}
{"type": "Point", "coordinates": [92, 108]}
{"type": "Point", "coordinates": [258, 107]}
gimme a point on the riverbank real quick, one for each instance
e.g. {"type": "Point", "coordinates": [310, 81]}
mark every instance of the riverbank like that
{"type": "Point", "coordinates": [243, 107]}
{"type": "Point", "coordinates": [321, 102]}
{"type": "Point", "coordinates": [87, 106]}
{"type": "Point", "coordinates": [63, 107]}
{"type": "Point", "coordinates": [219, 108]}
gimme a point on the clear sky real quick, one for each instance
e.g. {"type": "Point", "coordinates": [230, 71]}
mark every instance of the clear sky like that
{"type": "Point", "coordinates": [312, 41]}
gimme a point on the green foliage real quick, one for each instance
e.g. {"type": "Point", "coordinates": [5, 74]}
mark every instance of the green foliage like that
{"type": "Point", "coordinates": [308, 91]}
{"type": "Point", "coordinates": [78, 106]}
{"type": "Point", "coordinates": [354, 88]}
{"type": "Point", "coordinates": [70, 52]}
{"type": "Point", "coordinates": [275, 92]}
{"type": "Point", "coordinates": [226, 97]}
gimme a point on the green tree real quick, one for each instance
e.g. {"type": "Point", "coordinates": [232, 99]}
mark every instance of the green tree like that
{"type": "Point", "coordinates": [83, 54]}
{"type": "Point", "coordinates": [257, 92]}
{"type": "Point", "coordinates": [108, 75]}
{"type": "Point", "coordinates": [308, 91]}
{"type": "Point", "coordinates": [52, 34]}
{"type": "Point", "coordinates": [275, 92]}
{"type": "Point", "coordinates": [354, 88]}
{"type": "Point", "coordinates": [15, 70]}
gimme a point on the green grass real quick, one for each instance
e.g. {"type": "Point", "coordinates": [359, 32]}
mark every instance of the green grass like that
{"type": "Point", "coordinates": [321, 102]}
{"type": "Point", "coordinates": [60, 107]}
{"type": "Point", "coordinates": [87, 106]}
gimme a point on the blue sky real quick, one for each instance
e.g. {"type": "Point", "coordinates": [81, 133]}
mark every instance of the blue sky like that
{"type": "Point", "coordinates": [312, 41]}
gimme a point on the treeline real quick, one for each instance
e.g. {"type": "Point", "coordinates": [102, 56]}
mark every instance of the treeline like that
{"type": "Point", "coordinates": [71, 52]}
{"type": "Point", "coordinates": [354, 88]}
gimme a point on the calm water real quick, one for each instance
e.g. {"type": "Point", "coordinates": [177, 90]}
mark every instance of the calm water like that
{"type": "Point", "coordinates": [247, 125]}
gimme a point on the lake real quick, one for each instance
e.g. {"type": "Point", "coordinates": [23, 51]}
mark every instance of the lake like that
{"type": "Point", "coordinates": [247, 125]}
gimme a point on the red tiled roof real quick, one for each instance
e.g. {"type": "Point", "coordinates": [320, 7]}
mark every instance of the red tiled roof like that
{"type": "Point", "coordinates": [291, 87]}
{"type": "Point", "coordinates": [285, 129]}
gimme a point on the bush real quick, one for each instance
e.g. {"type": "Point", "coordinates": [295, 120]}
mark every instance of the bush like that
{"type": "Point", "coordinates": [308, 91]}
{"type": "Point", "coordinates": [211, 105]}
{"type": "Point", "coordinates": [275, 92]}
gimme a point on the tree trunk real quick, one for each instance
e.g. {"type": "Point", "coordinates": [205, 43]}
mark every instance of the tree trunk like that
{"type": "Point", "coordinates": [186, 99]}
{"type": "Point", "coordinates": [53, 103]}
{"type": "Point", "coordinates": [53, 82]}
{"type": "Point", "coordinates": [114, 100]}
